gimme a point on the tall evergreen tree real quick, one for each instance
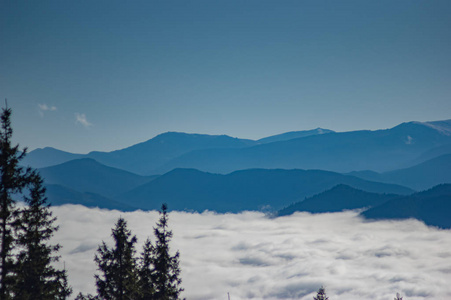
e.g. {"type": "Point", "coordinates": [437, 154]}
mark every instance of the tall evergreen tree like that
{"type": "Point", "coordinates": [119, 278]}
{"type": "Point", "coordinates": [146, 271]}
{"type": "Point", "coordinates": [155, 276]}
{"type": "Point", "coordinates": [13, 178]}
{"type": "Point", "coordinates": [321, 295]}
{"type": "Point", "coordinates": [36, 277]}
{"type": "Point", "coordinates": [166, 267]}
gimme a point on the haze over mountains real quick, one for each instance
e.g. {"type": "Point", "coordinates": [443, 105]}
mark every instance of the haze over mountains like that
{"type": "Point", "coordinates": [340, 197]}
{"type": "Point", "coordinates": [253, 189]}
{"type": "Point", "coordinates": [418, 177]}
{"type": "Point", "coordinates": [432, 206]}
{"type": "Point", "coordinates": [225, 174]}
{"type": "Point", "coordinates": [380, 150]}
{"type": "Point", "coordinates": [147, 157]}
{"type": "Point", "coordinates": [88, 175]}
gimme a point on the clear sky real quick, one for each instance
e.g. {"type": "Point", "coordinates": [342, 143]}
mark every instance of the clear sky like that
{"type": "Point", "coordinates": [103, 75]}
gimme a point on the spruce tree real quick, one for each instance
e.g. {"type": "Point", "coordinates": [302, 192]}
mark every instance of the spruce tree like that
{"type": "Point", "coordinates": [146, 271]}
{"type": "Point", "coordinates": [321, 295]}
{"type": "Point", "coordinates": [398, 297]}
{"type": "Point", "coordinates": [165, 275]}
{"type": "Point", "coordinates": [80, 296]}
{"type": "Point", "coordinates": [13, 178]}
{"type": "Point", "coordinates": [36, 277]}
{"type": "Point", "coordinates": [119, 278]}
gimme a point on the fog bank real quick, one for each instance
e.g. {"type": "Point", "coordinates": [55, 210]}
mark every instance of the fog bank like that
{"type": "Point", "coordinates": [253, 257]}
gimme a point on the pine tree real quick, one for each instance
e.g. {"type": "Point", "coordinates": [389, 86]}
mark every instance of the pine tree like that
{"type": "Point", "coordinates": [80, 296]}
{"type": "Point", "coordinates": [119, 279]}
{"type": "Point", "coordinates": [398, 297]}
{"type": "Point", "coordinates": [146, 270]}
{"type": "Point", "coordinates": [321, 295]}
{"type": "Point", "coordinates": [166, 267]}
{"type": "Point", "coordinates": [13, 178]}
{"type": "Point", "coordinates": [36, 277]}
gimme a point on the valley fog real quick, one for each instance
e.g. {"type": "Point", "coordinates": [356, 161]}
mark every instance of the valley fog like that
{"type": "Point", "coordinates": [251, 256]}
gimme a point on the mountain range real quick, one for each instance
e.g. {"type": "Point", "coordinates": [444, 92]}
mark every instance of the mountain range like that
{"type": "Point", "coordinates": [340, 197]}
{"type": "Point", "coordinates": [380, 150]}
{"type": "Point", "coordinates": [190, 189]}
{"type": "Point", "coordinates": [253, 189]}
{"type": "Point", "coordinates": [199, 172]}
{"type": "Point", "coordinates": [420, 177]}
{"type": "Point", "coordinates": [431, 206]}
{"type": "Point", "coordinates": [88, 175]}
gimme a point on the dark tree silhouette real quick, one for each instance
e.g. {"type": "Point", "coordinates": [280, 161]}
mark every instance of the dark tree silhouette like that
{"type": "Point", "coordinates": [321, 295]}
{"type": "Point", "coordinates": [166, 267]}
{"type": "Point", "coordinates": [36, 278]}
{"type": "Point", "coordinates": [155, 276]}
{"type": "Point", "coordinates": [13, 178]}
{"type": "Point", "coordinates": [398, 297]}
{"type": "Point", "coordinates": [146, 272]}
{"type": "Point", "coordinates": [119, 278]}
{"type": "Point", "coordinates": [80, 296]}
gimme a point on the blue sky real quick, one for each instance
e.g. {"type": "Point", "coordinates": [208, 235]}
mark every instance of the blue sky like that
{"type": "Point", "coordinates": [103, 75]}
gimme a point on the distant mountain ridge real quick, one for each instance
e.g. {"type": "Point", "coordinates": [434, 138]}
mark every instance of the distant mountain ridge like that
{"type": "Point", "coordinates": [443, 126]}
{"type": "Point", "coordinates": [419, 177]}
{"type": "Point", "coordinates": [88, 175]}
{"type": "Point", "coordinates": [225, 174]}
{"type": "Point", "coordinates": [45, 157]}
{"type": "Point", "coordinates": [60, 195]}
{"type": "Point", "coordinates": [142, 158]}
{"type": "Point", "coordinates": [146, 157]}
{"type": "Point", "coordinates": [339, 198]}
{"type": "Point", "coordinates": [293, 135]}
{"type": "Point", "coordinates": [253, 189]}
{"type": "Point", "coordinates": [380, 150]}
{"type": "Point", "coordinates": [433, 207]}
{"type": "Point", "coordinates": [190, 189]}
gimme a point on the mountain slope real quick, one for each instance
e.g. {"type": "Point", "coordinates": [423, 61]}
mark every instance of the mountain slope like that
{"type": "Point", "coordinates": [433, 207]}
{"type": "Point", "coordinates": [431, 153]}
{"type": "Point", "coordinates": [40, 158]}
{"type": "Point", "coordinates": [292, 135]}
{"type": "Point", "coordinates": [379, 150]}
{"type": "Point", "coordinates": [145, 158]}
{"type": "Point", "coordinates": [88, 175]}
{"type": "Point", "coordinates": [60, 195]}
{"type": "Point", "coordinates": [339, 198]}
{"type": "Point", "coordinates": [420, 177]}
{"type": "Point", "coordinates": [142, 158]}
{"type": "Point", "coordinates": [256, 189]}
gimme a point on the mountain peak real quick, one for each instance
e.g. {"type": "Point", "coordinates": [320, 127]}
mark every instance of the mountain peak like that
{"type": "Point", "coordinates": [443, 127]}
{"type": "Point", "coordinates": [293, 135]}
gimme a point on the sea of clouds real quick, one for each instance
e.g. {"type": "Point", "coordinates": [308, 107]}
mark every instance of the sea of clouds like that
{"type": "Point", "coordinates": [251, 256]}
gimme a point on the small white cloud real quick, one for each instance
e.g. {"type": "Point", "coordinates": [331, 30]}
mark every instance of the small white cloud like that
{"type": "Point", "coordinates": [81, 119]}
{"type": "Point", "coordinates": [44, 107]}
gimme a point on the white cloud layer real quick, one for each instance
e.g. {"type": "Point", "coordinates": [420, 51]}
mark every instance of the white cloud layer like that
{"type": "Point", "coordinates": [253, 257]}
{"type": "Point", "coordinates": [81, 119]}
